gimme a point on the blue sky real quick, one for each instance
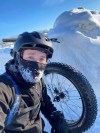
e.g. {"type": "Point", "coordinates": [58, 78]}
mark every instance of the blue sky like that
{"type": "Point", "coordinates": [17, 16]}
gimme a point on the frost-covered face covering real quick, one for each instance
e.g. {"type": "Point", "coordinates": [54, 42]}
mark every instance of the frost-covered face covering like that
{"type": "Point", "coordinates": [32, 65]}
{"type": "Point", "coordinates": [31, 71]}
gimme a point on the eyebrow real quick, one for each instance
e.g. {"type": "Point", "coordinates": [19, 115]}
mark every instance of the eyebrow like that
{"type": "Point", "coordinates": [43, 56]}
{"type": "Point", "coordinates": [30, 53]}
{"type": "Point", "coordinates": [40, 56]}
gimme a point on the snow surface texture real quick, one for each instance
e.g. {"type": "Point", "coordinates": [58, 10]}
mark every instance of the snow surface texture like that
{"type": "Point", "coordinates": [4, 57]}
{"type": "Point", "coordinates": [78, 31]}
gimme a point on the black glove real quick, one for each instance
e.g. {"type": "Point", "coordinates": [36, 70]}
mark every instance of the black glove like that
{"type": "Point", "coordinates": [58, 123]}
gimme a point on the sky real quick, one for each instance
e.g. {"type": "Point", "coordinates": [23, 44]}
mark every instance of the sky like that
{"type": "Point", "coordinates": [17, 16]}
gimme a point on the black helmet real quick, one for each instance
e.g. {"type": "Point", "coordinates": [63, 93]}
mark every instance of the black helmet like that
{"type": "Point", "coordinates": [33, 40]}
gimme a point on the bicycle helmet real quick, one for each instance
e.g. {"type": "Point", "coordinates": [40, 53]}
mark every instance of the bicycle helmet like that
{"type": "Point", "coordinates": [33, 40]}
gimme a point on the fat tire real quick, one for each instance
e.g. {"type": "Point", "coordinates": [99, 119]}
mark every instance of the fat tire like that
{"type": "Point", "coordinates": [85, 90]}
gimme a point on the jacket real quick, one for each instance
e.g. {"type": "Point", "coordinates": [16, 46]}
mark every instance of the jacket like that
{"type": "Point", "coordinates": [27, 119]}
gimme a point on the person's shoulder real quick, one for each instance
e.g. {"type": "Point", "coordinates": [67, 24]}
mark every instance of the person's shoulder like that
{"type": "Point", "coordinates": [5, 84]}
{"type": "Point", "coordinates": [5, 80]}
{"type": "Point", "coordinates": [5, 87]}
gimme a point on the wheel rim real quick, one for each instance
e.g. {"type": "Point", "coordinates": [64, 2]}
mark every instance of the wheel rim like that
{"type": "Point", "coordinates": [65, 97]}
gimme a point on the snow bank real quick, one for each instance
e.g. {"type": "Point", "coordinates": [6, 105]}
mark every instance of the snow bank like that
{"type": "Point", "coordinates": [78, 31]}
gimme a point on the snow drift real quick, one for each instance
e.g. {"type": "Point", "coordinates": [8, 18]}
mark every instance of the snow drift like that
{"type": "Point", "coordinates": [78, 31]}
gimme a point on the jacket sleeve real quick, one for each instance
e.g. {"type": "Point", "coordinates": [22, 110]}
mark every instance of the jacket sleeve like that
{"type": "Point", "coordinates": [47, 106]}
{"type": "Point", "coordinates": [4, 105]}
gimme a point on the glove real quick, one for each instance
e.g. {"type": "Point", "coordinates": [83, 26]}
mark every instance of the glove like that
{"type": "Point", "coordinates": [58, 123]}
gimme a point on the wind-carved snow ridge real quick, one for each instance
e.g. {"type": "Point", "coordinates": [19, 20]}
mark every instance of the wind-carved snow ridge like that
{"type": "Point", "coordinates": [79, 20]}
{"type": "Point", "coordinates": [78, 31]}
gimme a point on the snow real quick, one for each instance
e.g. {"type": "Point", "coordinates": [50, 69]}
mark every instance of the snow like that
{"type": "Point", "coordinates": [78, 31]}
{"type": "Point", "coordinates": [4, 57]}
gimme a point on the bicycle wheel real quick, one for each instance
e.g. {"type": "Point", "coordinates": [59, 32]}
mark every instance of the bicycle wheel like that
{"type": "Point", "coordinates": [72, 94]}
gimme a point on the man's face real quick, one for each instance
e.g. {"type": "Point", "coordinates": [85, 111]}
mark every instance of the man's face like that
{"type": "Point", "coordinates": [34, 55]}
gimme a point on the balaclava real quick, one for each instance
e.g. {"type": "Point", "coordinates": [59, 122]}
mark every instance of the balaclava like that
{"type": "Point", "coordinates": [31, 71]}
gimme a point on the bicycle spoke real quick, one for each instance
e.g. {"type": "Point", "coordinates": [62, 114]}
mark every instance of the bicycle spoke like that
{"type": "Point", "coordinates": [72, 110]}
{"type": "Point", "coordinates": [70, 91]}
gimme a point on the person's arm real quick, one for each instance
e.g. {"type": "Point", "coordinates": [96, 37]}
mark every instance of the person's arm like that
{"type": "Point", "coordinates": [4, 106]}
{"type": "Point", "coordinates": [47, 106]}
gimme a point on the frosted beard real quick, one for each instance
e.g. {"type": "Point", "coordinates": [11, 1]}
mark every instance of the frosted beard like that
{"type": "Point", "coordinates": [31, 71]}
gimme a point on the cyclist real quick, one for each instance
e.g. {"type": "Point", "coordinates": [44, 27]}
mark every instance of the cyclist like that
{"type": "Point", "coordinates": [23, 93]}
